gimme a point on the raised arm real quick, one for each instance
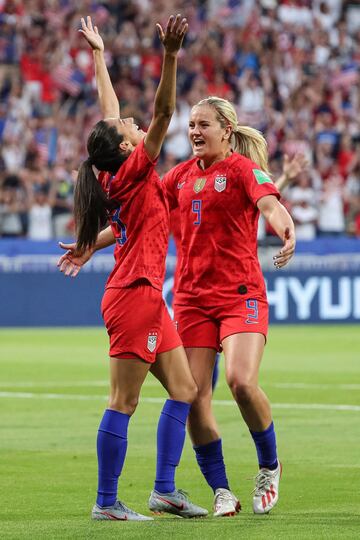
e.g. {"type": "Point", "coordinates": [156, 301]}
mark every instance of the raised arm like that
{"type": "Point", "coordinates": [109, 103]}
{"type": "Point", "coordinates": [280, 220]}
{"type": "Point", "coordinates": [291, 169]}
{"type": "Point", "coordinates": [165, 97]}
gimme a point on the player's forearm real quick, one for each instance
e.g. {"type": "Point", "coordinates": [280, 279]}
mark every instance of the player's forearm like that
{"type": "Point", "coordinates": [109, 103]}
{"type": "Point", "coordinates": [282, 182]}
{"type": "Point", "coordinates": [165, 97]}
{"type": "Point", "coordinates": [105, 238]}
{"type": "Point", "coordinates": [280, 220]}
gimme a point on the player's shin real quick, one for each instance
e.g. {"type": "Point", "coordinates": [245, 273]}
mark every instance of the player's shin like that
{"type": "Point", "coordinates": [170, 443]}
{"type": "Point", "coordinates": [111, 452]}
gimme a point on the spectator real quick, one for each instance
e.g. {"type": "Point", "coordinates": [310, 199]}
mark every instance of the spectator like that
{"type": "Point", "coordinates": [12, 208]}
{"type": "Point", "coordinates": [62, 208]}
{"type": "Point", "coordinates": [177, 141]}
{"type": "Point", "coordinates": [331, 208]}
{"type": "Point", "coordinates": [352, 200]}
{"type": "Point", "coordinates": [40, 223]}
{"type": "Point", "coordinates": [305, 217]}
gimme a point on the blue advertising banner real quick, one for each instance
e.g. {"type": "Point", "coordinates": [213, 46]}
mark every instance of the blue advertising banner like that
{"type": "Point", "coordinates": [318, 287]}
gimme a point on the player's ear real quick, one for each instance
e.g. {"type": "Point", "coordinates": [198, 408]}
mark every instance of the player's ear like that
{"type": "Point", "coordinates": [228, 131]}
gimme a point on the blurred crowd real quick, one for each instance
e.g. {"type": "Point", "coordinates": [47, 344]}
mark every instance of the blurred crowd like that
{"type": "Point", "coordinates": [290, 67]}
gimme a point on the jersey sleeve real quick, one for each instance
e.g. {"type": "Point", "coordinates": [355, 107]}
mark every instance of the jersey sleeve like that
{"type": "Point", "coordinates": [169, 183]}
{"type": "Point", "coordinates": [257, 183]}
{"type": "Point", "coordinates": [135, 169]}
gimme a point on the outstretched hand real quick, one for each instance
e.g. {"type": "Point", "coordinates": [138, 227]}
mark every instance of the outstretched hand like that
{"type": "Point", "coordinates": [71, 262]}
{"type": "Point", "coordinates": [91, 34]}
{"type": "Point", "coordinates": [173, 36]}
{"type": "Point", "coordinates": [292, 168]}
{"type": "Point", "coordinates": [287, 251]}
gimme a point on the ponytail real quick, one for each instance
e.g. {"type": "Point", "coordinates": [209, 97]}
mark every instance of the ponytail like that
{"type": "Point", "coordinates": [90, 207]}
{"type": "Point", "coordinates": [90, 202]}
{"type": "Point", "coordinates": [249, 142]}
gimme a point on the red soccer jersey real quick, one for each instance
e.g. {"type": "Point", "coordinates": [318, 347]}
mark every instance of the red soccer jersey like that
{"type": "Point", "coordinates": [218, 218]}
{"type": "Point", "coordinates": [175, 230]}
{"type": "Point", "coordinates": [140, 222]}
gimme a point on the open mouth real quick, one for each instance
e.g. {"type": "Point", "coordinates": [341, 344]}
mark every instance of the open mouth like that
{"type": "Point", "coordinates": [198, 143]}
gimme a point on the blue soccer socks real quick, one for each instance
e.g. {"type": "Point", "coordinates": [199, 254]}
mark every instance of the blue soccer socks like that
{"type": "Point", "coordinates": [211, 462]}
{"type": "Point", "coordinates": [265, 442]}
{"type": "Point", "coordinates": [111, 451]}
{"type": "Point", "coordinates": [170, 442]}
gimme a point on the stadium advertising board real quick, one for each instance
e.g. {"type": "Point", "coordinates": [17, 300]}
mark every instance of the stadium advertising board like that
{"type": "Point", "coordinates": [324, 288]}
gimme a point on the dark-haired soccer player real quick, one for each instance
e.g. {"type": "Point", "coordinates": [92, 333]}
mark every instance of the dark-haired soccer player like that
{"type": "Point", "coordinates": [129, 194]}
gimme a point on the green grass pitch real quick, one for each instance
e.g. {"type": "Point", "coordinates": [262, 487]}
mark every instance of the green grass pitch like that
{"type": "Point", "coordinates": [53, 389]}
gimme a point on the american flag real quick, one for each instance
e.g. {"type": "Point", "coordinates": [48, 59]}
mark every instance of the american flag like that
{"type": "Point", "coordinates": [349, 76]}
{"type": "Point", "coordinates": [46, 144]}
{"type": "Point", "coordinates": [65, 79]}
{"type": "Point", "coordinates": [43, 152]}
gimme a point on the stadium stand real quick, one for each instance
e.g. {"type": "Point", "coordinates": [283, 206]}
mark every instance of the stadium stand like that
{"type": "Point", "coordinates": [291, 68]}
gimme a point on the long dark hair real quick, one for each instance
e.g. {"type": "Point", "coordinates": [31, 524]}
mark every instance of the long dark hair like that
{"type": "Point", "coordinates": [90, 202]}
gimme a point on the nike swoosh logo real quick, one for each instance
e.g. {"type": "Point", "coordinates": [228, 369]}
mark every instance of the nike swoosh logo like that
{"type": "Point", "coordinates": [180, 185]}
{"type": "Point", "coordinates": [177, 506]}
{"type": "Point", "coordinates": [111, 516]}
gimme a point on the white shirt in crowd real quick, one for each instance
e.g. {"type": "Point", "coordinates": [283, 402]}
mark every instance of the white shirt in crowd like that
{"type": "Point", "coordinates": [177, 142]}
{"type": "Point", "coordinates": [305, 217]}
{"type": "Point", "coordinates": [303, 211]}
{"type": "Point", "coordinates": [331, 211]}
{"type": "Point", "coordinates": [40, 224]}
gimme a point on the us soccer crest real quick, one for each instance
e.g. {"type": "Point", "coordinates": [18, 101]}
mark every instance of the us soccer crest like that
{"type": "Point", "coordinates": [151, 342]}
{"type": "Point", "coordinates": [220, 183]}
{"type": "Point", "coordinates": [199, 184]}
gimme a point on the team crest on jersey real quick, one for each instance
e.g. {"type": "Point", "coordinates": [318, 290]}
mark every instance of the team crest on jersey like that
{"type": "Point", "coordinates": [151, 342]}
{"type": "Point", "coordinates": [220, 183]}
{"type": "Point", "coordinates": [199, 184]}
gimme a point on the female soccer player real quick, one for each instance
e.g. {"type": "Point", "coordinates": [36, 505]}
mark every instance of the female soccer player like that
{"type": "Point", "coordinates": [220, 301]}
{"type": "Point", "coordinates": [291, 169]}
{"type": "Point", "coordinates": [130, 195]}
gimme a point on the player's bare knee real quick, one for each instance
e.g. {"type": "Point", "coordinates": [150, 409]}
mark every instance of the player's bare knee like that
{"type": "Point", "coordinates": [242, 390]}
{"type": "Point", "coordinates": [201, 406]}
{"type": "Point", "coordinates": [124, 404]}
{"type": "Point", "coordinates": [187, 393]}
{"type": "Point", "coordinates": [192, 392]}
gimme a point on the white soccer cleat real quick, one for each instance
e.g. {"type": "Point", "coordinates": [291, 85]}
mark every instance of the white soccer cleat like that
{"type": "Point", "coordinates": [117, 512]}
{"type": "Point", "coordinates": [225, 503]}
{"type": "Point", "coordinates": [266, 492]}
{"type": "Point", "coordinates": [176, 503]}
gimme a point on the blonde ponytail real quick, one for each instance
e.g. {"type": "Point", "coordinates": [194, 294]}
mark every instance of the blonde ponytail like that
{"type": "Point", "coordinates": [247, 141]}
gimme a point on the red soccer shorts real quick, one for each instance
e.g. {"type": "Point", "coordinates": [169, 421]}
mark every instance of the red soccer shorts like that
{"type": "Point", "coordinates": [138, 322]}
{"type": "Point", "coordinates": [207, 327]}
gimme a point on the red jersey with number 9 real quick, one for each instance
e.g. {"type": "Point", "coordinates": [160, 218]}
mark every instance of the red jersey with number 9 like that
{"type": "Point", "coordinates": [140, 221]}
{"type": "Point", "coordinates": [219, 221]}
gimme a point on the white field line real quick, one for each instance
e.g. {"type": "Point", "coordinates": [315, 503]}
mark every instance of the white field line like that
{"type": "Point", "coordinates": [220, 402]}
{"type": "Point", "coordinates": [310, 386]}
{"type": "Point", "coordinates": [150, 382]}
